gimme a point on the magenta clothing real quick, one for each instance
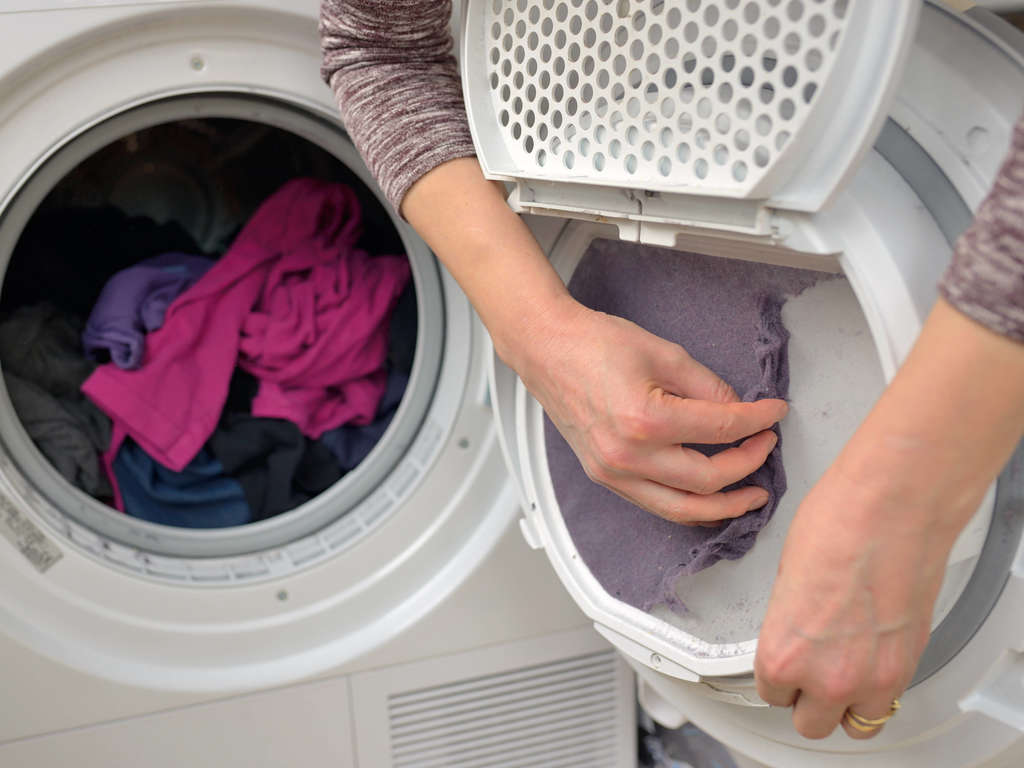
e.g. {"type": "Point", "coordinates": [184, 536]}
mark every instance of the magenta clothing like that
{"type": "Point", "coordinates": [294, 302]}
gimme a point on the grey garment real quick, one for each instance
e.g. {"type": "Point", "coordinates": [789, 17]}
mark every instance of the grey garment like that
{"type": "Point", "coordinates": [69, 431]}
{"type": "Point", "coordinates": [43, 345]}
{"type": "Point", "coordinates": [397, 86]}
{"type": "Point", "coordinates": [727, 314]}
{"type": "Point", "coordinates": [986, 279]}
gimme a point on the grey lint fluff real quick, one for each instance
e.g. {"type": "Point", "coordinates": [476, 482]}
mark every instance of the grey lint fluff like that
{"type": "Point", "coordinates": [727, 314]}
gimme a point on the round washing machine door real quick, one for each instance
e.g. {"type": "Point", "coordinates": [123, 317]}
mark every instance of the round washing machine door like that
{"type": "Point", "coordinates": [888, 236]}
{"type": "Point", "coordinates": [188, 113]}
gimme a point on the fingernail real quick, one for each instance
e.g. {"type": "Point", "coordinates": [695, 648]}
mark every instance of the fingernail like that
{"type": "Point", "coordinates": [759, 500]}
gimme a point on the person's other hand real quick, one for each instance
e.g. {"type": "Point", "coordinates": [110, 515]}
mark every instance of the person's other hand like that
{"type": "Point", "coordinates": [864, 559]}
{"type": "Point", "coordinates": [626, 400]}
{"type": "Point", "coordinates": [851, 608]}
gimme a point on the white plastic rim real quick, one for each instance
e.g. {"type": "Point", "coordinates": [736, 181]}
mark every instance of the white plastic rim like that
{"type": "Point", "coordinates": [717, 647]}
{"type": "Point", "coordinates": [730, 98]}
{"type": "Point", "coordinates": [91, 613]}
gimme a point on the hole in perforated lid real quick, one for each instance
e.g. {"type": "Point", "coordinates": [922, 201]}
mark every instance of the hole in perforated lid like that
{"type": "Point", "coordinates": [630, 163]}
{"type": "Point", "coordinates": [813, 59]}
{"type": "Point", "coordinates": [701, 168]}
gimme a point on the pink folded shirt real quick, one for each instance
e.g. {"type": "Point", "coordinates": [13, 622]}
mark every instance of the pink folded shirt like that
{"type": "Point", "coordinates": [293, 302]}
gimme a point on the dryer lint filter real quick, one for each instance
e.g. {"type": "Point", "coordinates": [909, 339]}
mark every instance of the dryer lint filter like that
{"type": "Point", "coordinates": [728, 315]}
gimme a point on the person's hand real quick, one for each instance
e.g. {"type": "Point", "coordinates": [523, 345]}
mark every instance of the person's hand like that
{"type": "Point", "coordinates": [851, 609]}
{"type": "Point", "coordinates": [626, 400]}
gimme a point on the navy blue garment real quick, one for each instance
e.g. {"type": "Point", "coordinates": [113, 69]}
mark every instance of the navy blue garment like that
{"type": "Point", "coordinates": [201, 496]}
{"type": "Point", "coordinates": [350, 445]}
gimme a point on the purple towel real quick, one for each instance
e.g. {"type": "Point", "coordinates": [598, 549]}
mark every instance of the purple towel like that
{"type": "Point", "coordinates": [727, 314]}
{"type": "Point", "coordinates": [133, 303]}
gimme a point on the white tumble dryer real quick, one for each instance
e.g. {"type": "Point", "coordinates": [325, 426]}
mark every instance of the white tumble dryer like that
{"type": "Point", "coordinates": [399, 619]}
{"type": "Point", "coordinates": [848, 136]}
{"type": "Point", "coordinates": [396, 619]}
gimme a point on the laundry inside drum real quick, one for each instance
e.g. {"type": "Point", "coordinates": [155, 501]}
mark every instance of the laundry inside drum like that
{"type": "Point", "coordinates": [767, 331]}
{"type": "Point", "coordinates": [209, 323]}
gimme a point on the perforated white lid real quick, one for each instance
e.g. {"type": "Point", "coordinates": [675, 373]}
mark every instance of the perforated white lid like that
{"type": "Point", "coordinates": [634, 109]}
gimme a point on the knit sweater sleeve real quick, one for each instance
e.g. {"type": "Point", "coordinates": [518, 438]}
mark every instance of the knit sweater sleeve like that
{"type": "Point", "coordinates": [391, 67]}
{"type": "Point", "coordinates": [986, 279]}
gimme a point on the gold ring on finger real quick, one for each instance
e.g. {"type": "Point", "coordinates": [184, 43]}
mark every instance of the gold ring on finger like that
{"type": "Point", "coordinates": [865, 724]}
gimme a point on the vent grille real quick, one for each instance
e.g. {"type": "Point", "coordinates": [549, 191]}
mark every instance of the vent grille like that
{"type": "Point", "coordinates": [556, 715]}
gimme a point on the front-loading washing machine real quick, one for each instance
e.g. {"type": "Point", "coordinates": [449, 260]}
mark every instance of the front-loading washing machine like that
{"type": "Point", "coordinates": [395, 619]}
{"type": "Point", "coordinates": [852, 138]}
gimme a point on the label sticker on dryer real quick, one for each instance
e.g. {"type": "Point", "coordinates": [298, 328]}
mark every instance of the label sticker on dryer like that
{"type": "Point", "coordinates": [27, 537]}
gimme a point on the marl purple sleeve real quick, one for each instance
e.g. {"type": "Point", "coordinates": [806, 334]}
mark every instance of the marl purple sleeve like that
{"type": "Point", "coordinates": [391, 67]}
{"type": "Point", "coordinates": [986, 279]}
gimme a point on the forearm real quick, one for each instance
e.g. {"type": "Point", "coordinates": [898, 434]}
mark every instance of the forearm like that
{"type": "Point", "coordinates": [945, 426]}
{"type": "Point", "coordinates": [397, 86]}
{"type": "Point", "coordinates": [492, 255]}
